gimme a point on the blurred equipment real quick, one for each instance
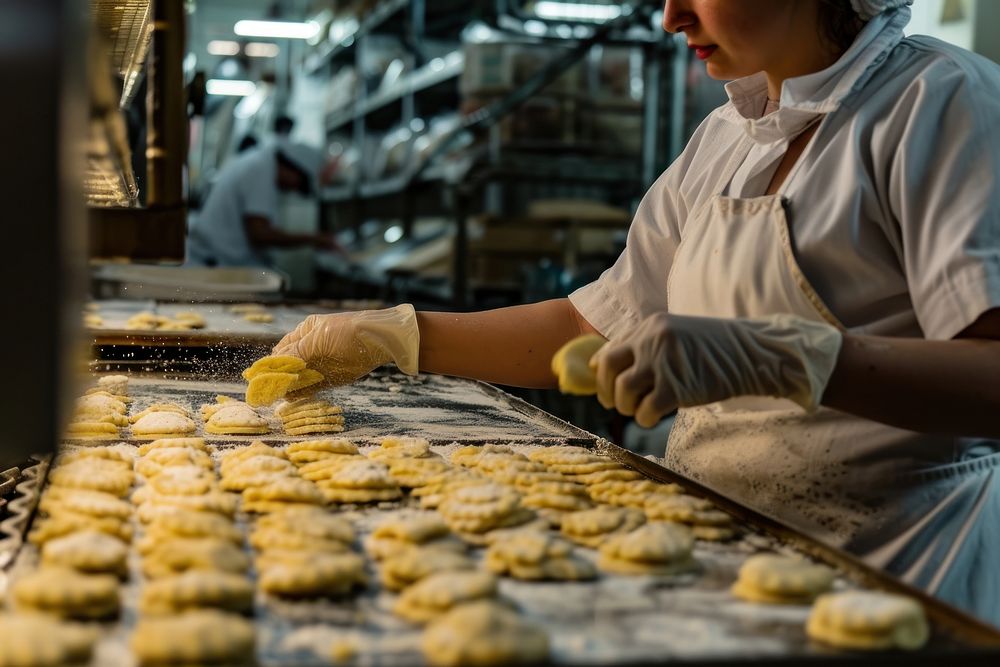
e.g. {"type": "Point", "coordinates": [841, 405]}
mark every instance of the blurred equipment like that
{"type": "Point", "coordinates": [40, 60]}
{"type": "Point", "coordinates": [119, 228]}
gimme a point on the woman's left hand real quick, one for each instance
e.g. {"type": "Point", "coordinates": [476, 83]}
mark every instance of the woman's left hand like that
{"type": "Point", "coordinates": [672, 361]}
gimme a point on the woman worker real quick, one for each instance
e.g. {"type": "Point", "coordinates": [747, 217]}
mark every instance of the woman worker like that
{"type": "Point", "coordinates": [815, 283]}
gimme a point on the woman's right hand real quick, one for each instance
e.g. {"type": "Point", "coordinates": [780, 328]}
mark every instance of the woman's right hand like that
{"type": "Point", "coordinates": [347, 346]}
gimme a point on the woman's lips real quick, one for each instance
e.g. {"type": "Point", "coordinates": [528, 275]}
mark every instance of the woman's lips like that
{"type": "Point", "coordinates": [703, 52]}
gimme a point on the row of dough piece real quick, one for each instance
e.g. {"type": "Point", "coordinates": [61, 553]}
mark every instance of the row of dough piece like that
{"type": "Point", "coordinates": [101, 414]}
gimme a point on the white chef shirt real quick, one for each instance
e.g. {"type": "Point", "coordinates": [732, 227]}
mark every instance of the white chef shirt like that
{"type": "Point", "coordinates": [247, 185]}
{"type": "Point", "coordinates": [894, 206]}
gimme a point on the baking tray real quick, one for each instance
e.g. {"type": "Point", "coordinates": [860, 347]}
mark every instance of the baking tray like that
{"type": "Point", "coordinates": [224, 329]}
{"type": "Point", "coordinates": [619, 620]}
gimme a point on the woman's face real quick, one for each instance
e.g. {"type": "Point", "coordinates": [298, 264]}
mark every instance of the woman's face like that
{"type": "Point", "coordinates": [737, 38]}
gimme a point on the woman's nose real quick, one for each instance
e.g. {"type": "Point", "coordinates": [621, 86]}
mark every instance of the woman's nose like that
{"type": "Point", "coordinates": [677, 15]}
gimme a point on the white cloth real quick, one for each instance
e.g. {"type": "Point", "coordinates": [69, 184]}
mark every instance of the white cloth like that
{"type": "Point", "coordinates": [894, 205]}
{"type": "Point", "coordinates": [868, 9]}
{"type": "Point", "coordinates": [247, 185]}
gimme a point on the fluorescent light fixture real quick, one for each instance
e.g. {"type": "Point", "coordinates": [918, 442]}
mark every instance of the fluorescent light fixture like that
{"type": "Point", "coordinates": [278, 29]}
{"type": "Point", "coordinates": [230, 87]}
{"type": "Point", "coordinates": [261, 50]}
{"type": "Point", "coordinates": [223, 47]}
{"type": "Point", "coordinates": [578, 11]}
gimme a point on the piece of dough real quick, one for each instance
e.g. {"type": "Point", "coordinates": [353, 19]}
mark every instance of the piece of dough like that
{"type": "Point", "coordinates": [312, 522]}
{"type": "Point", "coordinates": [630, 494]}
{"type": "Point", "coordinates": [66, 523]}
{"type": "Point", "coordinates": [174, 522]}
{"type": "Point", "coordinates": [483, 634]}
{"type": "Point", "coordinates": [655, 548]}
{"type": "Point", "coordinates": [203, 553]}
{"type": "Point", "coordinates": [534, 555]}
{"type": "Point", "coordinates": [274, 364]}
{"type": "Point", "coordinates": [325, 574]}
{"type": "Point", "coordinates": [266, 388]}
{"type": "Point", "coordinates": [66, 592]}
{"type": "Point", "coordinates": [571, 365]}
{"type": "Point", "coordinates": [592, 527]}
{"type": "Point", "coordinates": [307, 377]}
{"type": "Point", "coordinates": [93, 475]}
{"type": "Point", "coordinates": [214, 501]}
{"type": "Point", "coordinates": [194, 637]}
{"type": "Point", "coordinates": [163, 423]}
{"type": "Point", "coordinates": [286, 489]}
{"type": "Point", "coordinates": [868, 620]}
{"type": "Point", "coordinates": [87, 551]}
{"type": "Point", "coordinates": [315, 428]}
{"type": "Point", "coordinates": [95, 503]}
{"type": "Point", "coordinates": [435, 595]}
{"type": "Point", "coordinates": [416, 563]}
{"type": "Point", "coordinates": [192, 443]}
{"type": "Point", "coordinates": [197, 589]}
{"type": "Point", "coordinates": [36, 640]}
{"type": "Point", "coordinates": [781, 579]}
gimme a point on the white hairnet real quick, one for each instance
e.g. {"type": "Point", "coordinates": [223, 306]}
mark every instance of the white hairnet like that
{"type": "Point", "coordinates": [868, 9]}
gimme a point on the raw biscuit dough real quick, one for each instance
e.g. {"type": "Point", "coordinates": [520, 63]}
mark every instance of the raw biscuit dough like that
{"type": "Point", "coordinates": [416, 563]}
{"type": "Point", "coordinates": [163, 423]}
{"type": "Point", "coordinates": [66, 592]}
{"type": "Point", "coordinates": [433, 596]}
{"type": "Point", "coordinates": [203, 553]}
{"type": "Point", "coordinates": [323, 574]}
{"type": "Point", "coordinates": [194, 637]}
{"type": "Point", "coordinates": [266, 388]}
{"type": "Point", "coordinates": [592, 527]}
{"type": "Point", "coordinates": [533, 555]}
{"type": "Point", "coordinates": [571, 365]}
{"type": "Point", "coordinates": [655, 548]}
{"type": "Point", "coordinates": [88, 551]}
{"type": "Point", "coordinates": [868, 620]}
{"type": "Point", "coordinates": [483, 634]}
{"type": "Point", "coordinates": [781, 579]}
{"type": "Point", "coordinates": [36, 640]}
{"type": "Point", "coordinates": [197, 589]}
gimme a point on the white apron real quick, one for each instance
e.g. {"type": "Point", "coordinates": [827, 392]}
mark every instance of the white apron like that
{"type": "Point", "coordinates": [898, 499]}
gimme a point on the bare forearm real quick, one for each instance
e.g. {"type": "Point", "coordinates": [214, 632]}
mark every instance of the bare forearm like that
{"type": "Point", "coordinates": [950, 387]}
{"type": "Point", "coordinates": [512, 346]}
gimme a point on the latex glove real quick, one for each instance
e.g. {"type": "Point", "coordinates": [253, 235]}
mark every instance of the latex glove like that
{"type": "Point", "coordinates": [347, 346]}
{"type": "Point", "coordinates": [672, 361]}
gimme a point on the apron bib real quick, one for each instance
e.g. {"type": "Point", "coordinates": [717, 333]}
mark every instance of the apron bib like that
{"type": "Point", "coordinates": [895, 497]}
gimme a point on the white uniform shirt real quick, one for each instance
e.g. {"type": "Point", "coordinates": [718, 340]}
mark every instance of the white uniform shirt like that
{"type": "Point", "coordinates": [247, 185]}
{"type": "Point", "coordinates": [894, 206]}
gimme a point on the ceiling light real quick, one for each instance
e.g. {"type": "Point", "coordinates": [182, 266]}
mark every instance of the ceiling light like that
{"type": "Point", "coordinates": [223, 47]}
{"type": "Point", "coordinates": [229, 87]}
{"type": "Point", "coordinates": [571, 10]}
{"type": "Point", "coordinates": [261, 50]}
{"type": "Point", "coordinates": [280, 29]}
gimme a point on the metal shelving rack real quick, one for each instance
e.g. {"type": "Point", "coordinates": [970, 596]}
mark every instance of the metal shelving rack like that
{"type": "Point", "coordinates": [460, 192]}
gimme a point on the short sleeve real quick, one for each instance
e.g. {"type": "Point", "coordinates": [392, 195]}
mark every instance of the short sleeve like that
{"type": "Point", "coordinates": [259, 191]}
{"type": "Point", "coordinates": [635, 286]}
{"type": "Point", "coordinates": [945, 193]}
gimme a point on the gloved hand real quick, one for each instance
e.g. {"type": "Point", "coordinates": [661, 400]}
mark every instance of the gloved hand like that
{"type": "Point", "coordinates": [672, 361]}
{"type": "Point", "coordinates": [347, 346]}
